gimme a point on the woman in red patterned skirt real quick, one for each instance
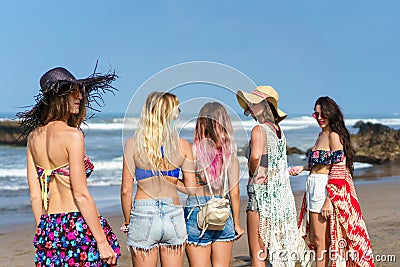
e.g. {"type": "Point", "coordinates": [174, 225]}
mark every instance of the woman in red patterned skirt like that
{"type": "Point", "coordinates": [331, 214]}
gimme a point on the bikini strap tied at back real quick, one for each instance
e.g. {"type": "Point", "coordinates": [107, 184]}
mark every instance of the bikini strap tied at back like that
{"type": "Point", "coordinates": [44, 184]}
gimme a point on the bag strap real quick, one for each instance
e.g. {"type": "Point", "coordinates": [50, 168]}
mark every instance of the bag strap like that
{"type": "Point", "coordinates": [224, 193]}
{"type": "Point", "coordinates": [208, 183]}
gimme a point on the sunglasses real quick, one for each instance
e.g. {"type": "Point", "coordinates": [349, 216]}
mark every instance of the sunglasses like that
{"type": "Point", "coordinates": [77, 92]}
{"type": "Point", "coordinates": [316, 115]}
{"type": "Point", "coordinates": [248, 111]}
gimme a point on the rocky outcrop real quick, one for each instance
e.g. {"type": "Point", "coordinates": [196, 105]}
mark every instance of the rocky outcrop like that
{"type": "Point", "coordinates": [10, 133]}
{"type": "Point", "coordinates": [290, 150]}
{"type": "Point", "coordinates": [376, 143]}
{"type": "Point", "coordinates": [294, 150]}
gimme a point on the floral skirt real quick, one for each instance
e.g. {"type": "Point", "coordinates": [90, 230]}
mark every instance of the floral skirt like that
{"type": "Point", "coordinates": [65, 239]}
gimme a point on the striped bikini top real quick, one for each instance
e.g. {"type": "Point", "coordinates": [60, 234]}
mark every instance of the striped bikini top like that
{"type": "Point", "coordinates": [44, 176]}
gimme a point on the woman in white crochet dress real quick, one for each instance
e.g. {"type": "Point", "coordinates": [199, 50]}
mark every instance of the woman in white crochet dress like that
{"type": "Point", "coordinates": [271, 211]}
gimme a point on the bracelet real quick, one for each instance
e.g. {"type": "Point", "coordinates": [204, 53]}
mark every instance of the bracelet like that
{"type": "Point", "coordinates": [125, 228]}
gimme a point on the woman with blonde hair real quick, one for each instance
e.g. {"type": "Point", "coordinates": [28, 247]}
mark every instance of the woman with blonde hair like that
{"type": "Point", "coordinates": [69, 231]}
{"type": "Point", "coordinates": [217, 175]}
{"type": "Point", "coordinates": [154, 157]}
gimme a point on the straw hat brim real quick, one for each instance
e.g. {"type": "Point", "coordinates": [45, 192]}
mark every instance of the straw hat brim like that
{"type": "Point", "coordinates": [245, 98]}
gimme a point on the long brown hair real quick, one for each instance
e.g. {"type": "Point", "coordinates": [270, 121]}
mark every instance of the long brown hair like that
{"type": "Point", "coordinates": [333, 113]}
{"type": "Point", "coordinates": [52, 107]}
{"type": "Point", "coordinates": [57, 107]}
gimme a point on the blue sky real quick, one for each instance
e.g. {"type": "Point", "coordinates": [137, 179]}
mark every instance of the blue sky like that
{"type": "Point", "coordinates": [349, 50]}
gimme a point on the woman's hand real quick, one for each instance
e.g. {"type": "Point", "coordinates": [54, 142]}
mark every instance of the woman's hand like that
{"type": "Point", "coordinates": [124, 227]}
{"type": "Point", "coordinates": [239, 231]}
{"type": "Point", "coordinates": [106, 252]}
{"type": "Point", "coordinates": [327, 208]}
{"type": "Point", "coordinates": [295, 170]}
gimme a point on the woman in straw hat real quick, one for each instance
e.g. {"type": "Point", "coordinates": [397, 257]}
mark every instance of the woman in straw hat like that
{"type": "Point", "coordinates": [155, 157]}
{"type": "Point", "coordinates": [70, 230]}
{"type": "Point", "coordinates": [330, 212]}
{"type": "Point", "coordinates": [271, 212]}
{"type": "Point", "coordinates": [217, 174]}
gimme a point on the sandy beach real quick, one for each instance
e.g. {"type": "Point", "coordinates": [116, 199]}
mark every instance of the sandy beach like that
{"type": "Point", "coordinates": [379, 203]}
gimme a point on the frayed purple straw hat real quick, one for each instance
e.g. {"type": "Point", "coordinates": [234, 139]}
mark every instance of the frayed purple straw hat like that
{"type": "Point", "coordinates": [59, 81]}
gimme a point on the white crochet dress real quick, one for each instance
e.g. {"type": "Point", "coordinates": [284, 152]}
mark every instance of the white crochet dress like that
{"type": "Point", "coordinates": [278, 222]}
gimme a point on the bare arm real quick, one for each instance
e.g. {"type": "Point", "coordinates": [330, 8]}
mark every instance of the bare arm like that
{"type": "Point", "coordinates": [256, 149]}
{"type": "Point", "coordinates": [188, 170]}
{"type": "Point", "coordinates": [127, 180]}
{"type": "Point", "coordinates": [334, 144]}
{"type": "Point", "coordinates": [234, 194]}
{"type": "Point", "coordinates": [82, 196]}
{"type": "Point", "coordinates": [295, 170]}
{"type": "Point", "coordinates": [34, 186]}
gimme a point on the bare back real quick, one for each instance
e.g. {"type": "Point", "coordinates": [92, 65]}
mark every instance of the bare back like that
{"type": "Point", "coordinates": [159, 186]}
{"type": "Point", "coordinates": [48, 147]}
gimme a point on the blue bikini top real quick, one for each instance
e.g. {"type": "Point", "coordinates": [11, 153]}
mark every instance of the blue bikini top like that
{"type": "Point", "coordinates": [142, 174]}
{"type": "Point", "coordinates": [325, 157]}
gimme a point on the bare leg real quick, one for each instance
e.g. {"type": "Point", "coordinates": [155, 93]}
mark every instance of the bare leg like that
{"type": "Point", "coordinates": [142, 258]}
{"type": "Point", "coordinates": [172, 256]}
{"type": "Point", "coordinates": [253, 219]}
{"type": "Point", "coordinates": [221, 253]}
{"type": "Point", "coordinates": [319, 238]}
{"type": "Point", "coordinates": [198, 256]}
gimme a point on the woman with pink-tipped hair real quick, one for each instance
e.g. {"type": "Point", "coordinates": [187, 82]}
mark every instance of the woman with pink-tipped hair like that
{"type": "Point", "coordinates": [217, 173]}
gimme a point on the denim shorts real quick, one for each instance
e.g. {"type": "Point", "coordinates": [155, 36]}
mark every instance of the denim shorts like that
{"type": "Point", "coordinates": [252, 200]}
{"type": "Point", "coordinates": [316, 191]}
{"type": "Point", "coordinates": [156, 222]}
{"type": "Point", "coordinates": [193, 230]}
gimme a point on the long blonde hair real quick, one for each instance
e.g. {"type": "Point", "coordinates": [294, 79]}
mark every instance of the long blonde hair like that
{"type": "Point", "coordinates": [156, 135]}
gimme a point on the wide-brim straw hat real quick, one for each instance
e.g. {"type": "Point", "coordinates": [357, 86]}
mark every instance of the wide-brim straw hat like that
{"type": "Point", "coordinates": [59, 82]}
{"type": "Point", "coordinates": [258, 95]}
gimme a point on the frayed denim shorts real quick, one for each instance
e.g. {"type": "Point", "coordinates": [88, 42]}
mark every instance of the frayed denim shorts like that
{"type": "Point", "coordinates": [194, 232]}
{"type": "Point", "coordinates": [316, 191]}
{"type": "Point", "coordinates": [156, 222]}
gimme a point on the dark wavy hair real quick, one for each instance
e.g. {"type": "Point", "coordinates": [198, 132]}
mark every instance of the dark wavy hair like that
{"type": "Point", "coordinates": [333, 113]}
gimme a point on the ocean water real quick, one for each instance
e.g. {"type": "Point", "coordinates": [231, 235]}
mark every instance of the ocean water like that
{"type": "Point", "coordinates": [104, 137]}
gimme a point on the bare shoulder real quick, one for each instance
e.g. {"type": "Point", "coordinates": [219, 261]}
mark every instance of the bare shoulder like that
{"type": "Point", "coordinates": [184, 143]}
{"type": "Point", "coordinates": [29, 140]}
{"type": "Point", "coordinates": [257, 132]}
{"type": "Point", "coordinates": [74, 133]}
{"type": "Point", "coordinates": [334, 141]}
{"type": "Point", "coordinates": [129, 146]}
{"type": "Point", "coordinates": [130, 141]}
{"type": "Point", "coordinates": [71, 137]}
{"type": "Point", "coordinates": [256, 129]}
{"type": "Point", "coordinates": [31, 137]}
